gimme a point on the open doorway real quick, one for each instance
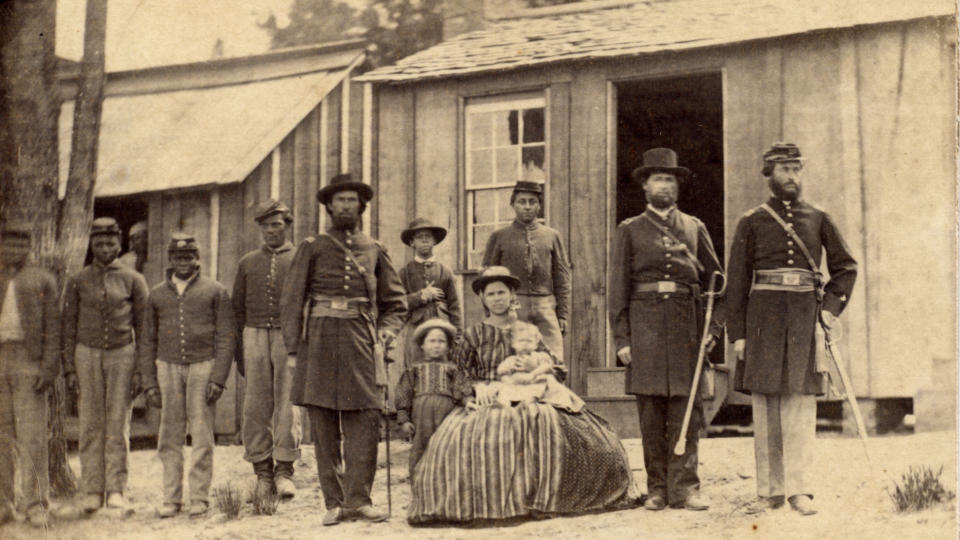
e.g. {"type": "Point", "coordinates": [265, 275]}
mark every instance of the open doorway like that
{"type": "Point", "coordinates": [126, 210]}
{"type": "Point", "coordinates": [685, 114]}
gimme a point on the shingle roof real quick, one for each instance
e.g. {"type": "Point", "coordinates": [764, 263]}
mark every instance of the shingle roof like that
{"type": "Point", "coordinates": [607, 31]}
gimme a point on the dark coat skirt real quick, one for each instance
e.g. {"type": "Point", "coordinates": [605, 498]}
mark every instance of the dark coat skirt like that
{"type": "Point", "coordinates": [335, 367]}
{"type": "Point", "coordinates": [780, 355]}
{"type": "Point", "coordinates": [664, 341]}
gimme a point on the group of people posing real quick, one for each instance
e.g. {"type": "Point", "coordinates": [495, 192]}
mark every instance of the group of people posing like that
{"type": "Point", "coordinates": [495, 433]}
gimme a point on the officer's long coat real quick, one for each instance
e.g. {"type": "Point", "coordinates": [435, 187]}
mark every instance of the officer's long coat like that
{"type": "Point", "coordinates": [779, 325]}
{"type": "Point", "coordinates": [662, 330]}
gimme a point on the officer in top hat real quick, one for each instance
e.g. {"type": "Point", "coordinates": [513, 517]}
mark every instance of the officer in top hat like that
{"type": "Point", "coordinates": [534, 253]}
{"type": "Point", "coordinates": [775, 297]}
{"type": "Point", "coordinates": [271, 425]}
{"type": "Point", "coordinates": [185, 377]}
{"type": "Point", "coordinates": [354, 301]}
{"type": "Point", "coordinates": [662, 259]}
{"type": "Point", "coordinates": [103, 313]}
{"type": "Point", "coordinates": [30, 348]}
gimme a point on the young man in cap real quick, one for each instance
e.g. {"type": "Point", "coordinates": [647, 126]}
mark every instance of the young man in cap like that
{"type": "Point", "coordinates": [775, 297]}
{"type": "Point", "coordinates": [662, 260]}
{"type": "Point", "coordinates": [29, 351]}
{"type": "Point", "coordinates": [535, 254]}
{"type": "Point", "coordinates": [271, 425]}
{"type": "Point", "coordinates": [342, 300]}
{"type": "Point", "coordinates": [431, 290]}
{"type": "Point", "coordinates": [188, 349]}
{"type": "Point", "coordinates": [103, 311]}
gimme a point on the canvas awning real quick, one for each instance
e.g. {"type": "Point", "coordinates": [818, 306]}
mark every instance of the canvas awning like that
{"type": "Point", "coordinates": [195, 137]}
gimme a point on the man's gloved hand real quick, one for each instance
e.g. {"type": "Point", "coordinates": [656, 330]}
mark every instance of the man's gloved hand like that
{"type": "Point", "coordinates": [386, 337]}
{"type": "Point", "coordinates": [738, 347]}
{"type": "Point", "coordinates": [41, 384]}
{"type": "Point", "coordinates": [72, 382]}
{"type": "Point", "coordinates": [407, 430]}
{"type": "Point", "coordinates": [153, 397]}
{"type": "Point", "coordinates": [213, 392]}
{"type": "Point", "coordinates": [136, 385]}
{"type": "Point", "coordinates": [624, 355]}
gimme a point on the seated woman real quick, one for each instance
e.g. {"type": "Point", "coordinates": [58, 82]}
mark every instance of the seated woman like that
{"type": "Point", "coordinates": [488, 461]}
{"type": "Point", "coordinates": [527, 375]}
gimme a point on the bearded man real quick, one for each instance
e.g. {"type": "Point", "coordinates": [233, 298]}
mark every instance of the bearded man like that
{"type": "Point", "coordinates": [341, 300]}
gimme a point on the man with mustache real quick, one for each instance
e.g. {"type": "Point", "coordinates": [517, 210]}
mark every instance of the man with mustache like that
{"type": "Point", "coordinates": [775, 296]}
{"type": "Point", "coordinates": [271, 425]}
{"type": "Point", "coordinates": [342, 299]}
{"type": "Point", "coordinates": [535, 254]}
{"type": "Point", "coordinates": [662, 259]}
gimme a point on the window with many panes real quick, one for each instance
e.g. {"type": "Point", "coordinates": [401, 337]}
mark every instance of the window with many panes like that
{"type": "Point", "coordinates": [505, 141]}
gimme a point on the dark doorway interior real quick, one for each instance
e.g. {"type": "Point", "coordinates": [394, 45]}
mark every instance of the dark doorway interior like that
{"type": "Point", "coordinates": [685, 114]}
{"type": "Point", "coordinates": [126, 210]}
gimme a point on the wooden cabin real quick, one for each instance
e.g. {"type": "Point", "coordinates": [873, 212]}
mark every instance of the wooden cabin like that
{"type": "Point", "coordinates": [574, 94]}
{"type": "Point", "coordinates": [195, 147]}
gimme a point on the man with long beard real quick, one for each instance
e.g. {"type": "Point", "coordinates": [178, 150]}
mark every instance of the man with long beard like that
{"type": "Point", "coordinates": [775, 296]}
{"type": "Point", "coordinates": [662, 258]}
{"type": "Point", "coordinates": [341, 297]}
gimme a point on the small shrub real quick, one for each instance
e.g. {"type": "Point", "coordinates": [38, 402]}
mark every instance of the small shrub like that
{"type": "Point", "coordinates": [919, 488]}
{"type": "Point", "coordinates": [229, 500]}
{"type": "Point", "coordinates": [265, 504]}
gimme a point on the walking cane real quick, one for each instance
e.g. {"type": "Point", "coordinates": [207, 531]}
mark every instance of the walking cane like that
{"type": "Point", "coordinates": [834, 353]}
{"type": "Point", "coordinates": [711, 295]}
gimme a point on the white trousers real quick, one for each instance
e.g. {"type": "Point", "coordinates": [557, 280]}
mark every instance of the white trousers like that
{"type": "Point", "coordinates": [784, 431]}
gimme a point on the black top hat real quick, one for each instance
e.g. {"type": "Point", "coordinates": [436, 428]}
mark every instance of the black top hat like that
{"type": "Point", "coordinates": [495, 273]}
{"type": "Point", "coordinates": [663, 160]}
{"type": "Point", "coordinates": [181, 241]}
{"type": "Point", "coordinates": [422, 224]}
{"type": "Point", "coordinates": [104, 226]}
{"type": "Point", "coordinates": [430, 324]}
{"type": "Point", "coordinates": [344, 182]}
{"type": "Point", "coordinates": [270, 207]}
{"type": "Point", "coordinates": [529, 187]}
{"type": "Point", "coordinates": [782, 151]}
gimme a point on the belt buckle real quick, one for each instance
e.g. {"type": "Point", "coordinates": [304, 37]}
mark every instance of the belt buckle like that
{"type": "Point", "coordinates": [338, 304]}
{"type": "Point", "coordinates": [666, 286]}
{"type": "Point", "coordinates": [791, 279]}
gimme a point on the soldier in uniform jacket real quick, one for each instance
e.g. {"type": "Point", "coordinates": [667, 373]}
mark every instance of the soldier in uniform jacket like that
{"type": "Point", "coordinates": [773, 303]}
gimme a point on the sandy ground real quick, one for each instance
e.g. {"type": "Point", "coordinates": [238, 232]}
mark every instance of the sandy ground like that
{"type": "Point", "coordinates": [853, 503]}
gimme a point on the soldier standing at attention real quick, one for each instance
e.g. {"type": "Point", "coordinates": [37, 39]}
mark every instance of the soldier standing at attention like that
{"type": "Point", "coordinates": [271, 425]}
{"type": "Point", "coordinates": [662, 258]}
{"type": "Point", "coordinates": [775, 298]}
{"type": "Point", "coordinates": [103, 310]}
{"type": "Point", "coordinates": [535, 254]}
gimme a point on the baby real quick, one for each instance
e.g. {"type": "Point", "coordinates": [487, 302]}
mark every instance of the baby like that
{"type": "Point", "coordinates": [527, 376]}
{"type": "Point", "coordinates": [425, 393]}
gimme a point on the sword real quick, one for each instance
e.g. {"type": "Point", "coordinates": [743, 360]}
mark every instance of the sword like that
{"type": "Point", "coordinates": [834, 351]}
{"type": "Point", "coordinates": [681, 445]}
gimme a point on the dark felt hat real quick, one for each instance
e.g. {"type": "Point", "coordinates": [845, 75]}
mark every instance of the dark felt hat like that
{"type": "Point", "coordinates": [422, 224]}
{"type": "Point", "coordinates": [430, 324]}
{"type": "Point", "coordinates": [181, 241]}
{"type": "Point", "coordinates": [495, 273]}
{"type": "Point", "coordinates": [17, 228]}
{"type": "Point", "coordinates": [344, 182]}
{"type": "Point", "coordinates": [662, 160]}
{"type": "Point", "coordinates": [780, 152]}
{"type": "Point", "coordinates": [104, 226]}
{"type": "Point", "coordinates": [270, 207]}
{"type": "Point", "coordinates": [529, 187]}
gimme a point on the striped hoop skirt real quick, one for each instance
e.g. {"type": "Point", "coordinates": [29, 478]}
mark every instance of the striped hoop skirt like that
{"type": "Point", "coordinates": [504, 462]}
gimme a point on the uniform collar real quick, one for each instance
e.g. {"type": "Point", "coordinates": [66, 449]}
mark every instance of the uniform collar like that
{"type": "Point", "coordinates": [431, 259]}
{"type": "Point", "coordinates": [114, 265]}
{"type": "Point", "coordinates": [662, 214]}
{"type": "Point", "coordinates": [189, 280]}
{"type": "Point", "coordinates": [534, 225]}
{"type": "Point", "coordinates": [287, 246]}
{"type": "Point", "coordinates": [780, 204]}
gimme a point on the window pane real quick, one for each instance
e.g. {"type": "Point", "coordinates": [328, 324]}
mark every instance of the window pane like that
{"type": "Point", "coordinates": [533, 158]}
{"type": "Point", "coordinates": [481, 168]}
{"type": "Point", "coordinates": [481, 233]}
{"type": "Point", "coordinates": [505, 212]}
{"type": "Point", "coordinates": [484, 206]}
{"type": "Point", "coordinates": [533, 130]}
{"type": "Point", "coordinates": [507, 165]}
{"type": "Point", "coordinates": [505, 127]}
{"type": "Point", "coordinates": [479, 126]}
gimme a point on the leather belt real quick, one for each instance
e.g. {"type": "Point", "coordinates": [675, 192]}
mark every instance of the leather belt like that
{"type": "Point", "coordinates": [785, 279]}
{"type": "Point", "coordinates": [661, 287]}
{"type": "Point", "coordinates": [339, 307]}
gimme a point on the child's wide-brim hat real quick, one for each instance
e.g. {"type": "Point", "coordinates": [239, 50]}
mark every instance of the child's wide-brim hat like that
{"type": "Point", "coordinates": [422, 224]}
{"type": "Point", "coordinates": [430, 324]}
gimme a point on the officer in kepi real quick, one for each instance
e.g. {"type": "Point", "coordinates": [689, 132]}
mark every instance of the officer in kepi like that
{"type": "Point", "coordinates": [775, 297]}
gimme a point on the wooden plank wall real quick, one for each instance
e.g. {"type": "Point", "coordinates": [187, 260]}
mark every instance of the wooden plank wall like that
{"type": "Point", "coordinates": [395, 164]}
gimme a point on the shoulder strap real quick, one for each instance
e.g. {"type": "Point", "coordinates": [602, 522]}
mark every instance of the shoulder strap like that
{"type": "Point", "coordinates": [690, 254]}
{"type": "Point", "coordinates": [796, 238]}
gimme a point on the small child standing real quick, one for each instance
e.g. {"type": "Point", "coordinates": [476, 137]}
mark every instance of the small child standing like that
{"type": "Point", "coordinates": [426, 393]}
{"type": "Point", "coordinates": [527, 375]}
